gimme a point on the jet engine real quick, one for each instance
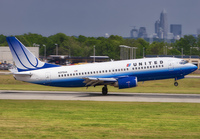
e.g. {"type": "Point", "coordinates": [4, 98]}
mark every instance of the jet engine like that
{"type": "Point", "coordinates": [126, 82]}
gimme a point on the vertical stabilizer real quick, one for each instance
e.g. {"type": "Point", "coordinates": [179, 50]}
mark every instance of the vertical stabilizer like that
{"type": "Point", "coordinates": [23, 58]}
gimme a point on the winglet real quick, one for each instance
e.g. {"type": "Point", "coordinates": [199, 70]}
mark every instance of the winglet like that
{"type": "Point", "coordinates": [23, 58]}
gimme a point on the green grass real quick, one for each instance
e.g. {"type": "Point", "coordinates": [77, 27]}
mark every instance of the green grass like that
{"type": "Point", "coordinates": [88, 119]}
{"type": "Point", "coordinates": [187, 85]}
{"type": "Point", "coordinates": [83, 119]}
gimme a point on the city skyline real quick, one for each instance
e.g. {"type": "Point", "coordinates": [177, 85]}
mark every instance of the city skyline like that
{"type": "Point", "coordinates": [94, 18]}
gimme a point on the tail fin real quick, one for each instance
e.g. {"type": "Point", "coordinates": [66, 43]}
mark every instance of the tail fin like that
{"type": "Point", "coordinates": [23, 58]}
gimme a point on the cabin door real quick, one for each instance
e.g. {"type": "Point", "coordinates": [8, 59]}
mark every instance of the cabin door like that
{"type": "Point", "coordinates": [171, 65]}
{"type": "Point", "coordinates": [48, 77]}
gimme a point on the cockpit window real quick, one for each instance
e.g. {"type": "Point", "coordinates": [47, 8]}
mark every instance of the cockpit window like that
{"type": "Point", "coordinates": [183, 62]}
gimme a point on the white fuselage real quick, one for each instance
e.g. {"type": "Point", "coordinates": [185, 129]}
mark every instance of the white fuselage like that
{"type": "Point", "coordinates": [143, 69]}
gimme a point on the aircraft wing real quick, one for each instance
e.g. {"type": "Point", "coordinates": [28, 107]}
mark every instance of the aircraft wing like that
{"type": "Point", "coordinates": [90, 81]}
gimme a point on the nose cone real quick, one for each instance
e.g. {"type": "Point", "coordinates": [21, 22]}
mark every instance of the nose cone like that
{"type": "Point", "coordinates": [193, 67]}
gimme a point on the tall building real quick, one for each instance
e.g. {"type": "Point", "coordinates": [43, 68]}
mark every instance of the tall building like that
{"type": "Point", "coordinates": [161, 26]}
{"type": "Point", "coordinates": [142, 32]}
{"type": "Point", "coordinates": [163, 23]}
{"type": "Point", "coordinates": [176, 29]}
{"type": "Point", "coordinates": [134, 33]}
{"type": "Point", "coordinates": [157, 26]}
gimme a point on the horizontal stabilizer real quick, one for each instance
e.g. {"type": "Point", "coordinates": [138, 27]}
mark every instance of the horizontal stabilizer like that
{"type": "Point", "coordinates": [22, 74]}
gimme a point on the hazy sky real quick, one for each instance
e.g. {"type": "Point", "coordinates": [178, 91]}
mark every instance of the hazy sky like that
{"type": "Point", "coordinates": [94, 17]}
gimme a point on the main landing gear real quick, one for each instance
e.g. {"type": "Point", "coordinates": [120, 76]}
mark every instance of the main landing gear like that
{"type": "Point", "coordinates": [105, 90]}
{"type": "Point", "coordinates": [175, 83]}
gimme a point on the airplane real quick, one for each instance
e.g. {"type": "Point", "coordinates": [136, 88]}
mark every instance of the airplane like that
{"type": "Point", "coordinates": [121, 74]}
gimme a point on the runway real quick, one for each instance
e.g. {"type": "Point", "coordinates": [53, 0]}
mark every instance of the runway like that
{"type": "Point", "coordinates": [97, 96]}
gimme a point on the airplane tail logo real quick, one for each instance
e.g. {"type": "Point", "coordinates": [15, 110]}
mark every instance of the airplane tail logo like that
{"type": "Point", "coordinates": [23, 58]}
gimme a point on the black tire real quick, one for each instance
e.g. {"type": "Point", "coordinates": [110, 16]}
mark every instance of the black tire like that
{"type": "Point", "coordinates": [104, 90]}
{"type": "Point", "coordinates": [175, 83]}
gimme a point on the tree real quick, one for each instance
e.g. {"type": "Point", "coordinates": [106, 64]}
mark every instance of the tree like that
{"type": "Point", "coordinates": [3, 41]}
{"type": "Point", "coordinates": [188, 42]}
{"type": "Point", "coordinates": [61, 40]}
{"type": "Point", "coordinates": [83, 46]}
{"type": "Point", "coordinates": [142, 45]}
{"type": "Point", "coordinates": [156, 48]}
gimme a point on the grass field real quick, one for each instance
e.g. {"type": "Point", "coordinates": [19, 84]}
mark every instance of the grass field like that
{"type": "Point", "coordinates": [87, 119]}
{"type": "Point", "coordinates": [187, 85]}
{"type": "Point", "coordinates": [83, 119]}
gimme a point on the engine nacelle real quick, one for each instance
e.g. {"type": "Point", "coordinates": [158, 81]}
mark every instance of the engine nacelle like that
{"type": "Point", "coordinates": [127, 82]}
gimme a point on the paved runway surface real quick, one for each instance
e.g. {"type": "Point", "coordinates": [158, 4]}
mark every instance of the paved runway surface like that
{"type": "Point", "coordinates": [97, 96]}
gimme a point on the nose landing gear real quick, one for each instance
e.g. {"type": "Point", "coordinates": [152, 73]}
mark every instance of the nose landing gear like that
{"type": "Point", "coordinates": [175, 83]}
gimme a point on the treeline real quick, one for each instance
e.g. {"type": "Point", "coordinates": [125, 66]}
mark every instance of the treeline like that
{"type": "Point", "coordinates": [83, 46]}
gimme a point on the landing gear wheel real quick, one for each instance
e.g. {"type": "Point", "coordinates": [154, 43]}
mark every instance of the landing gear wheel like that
{"type": "Point", "coordinates": [175, 83]}
{"type": "Point", "coordinates": [105, 90]}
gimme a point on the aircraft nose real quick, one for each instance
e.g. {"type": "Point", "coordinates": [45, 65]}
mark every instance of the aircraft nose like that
{"type": "Point", "coordinates": [193, 67]}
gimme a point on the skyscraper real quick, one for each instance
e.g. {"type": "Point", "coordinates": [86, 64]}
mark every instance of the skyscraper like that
{"type": "Point", "coordinates": [163, 23]}
{"type": "Point", "coordinates": [176, 29]}
{"type": "Point", "coordinates": [161, 26]}
{"type": "Point", "coordinates": [134, 33]}
{"type": "Point", "coordinates": [142, 33]}
{"type": "Point", "coordinates": [157, 26]}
